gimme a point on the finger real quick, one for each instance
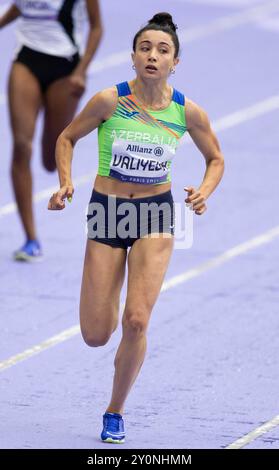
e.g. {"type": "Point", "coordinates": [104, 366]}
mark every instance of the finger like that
{"type": "Point", "coordinates": [50, 206]}
{"type": "Point", "coordinates": [58, 201]}
{"type": "Point", "coordinates": [193, 197]}
{"type": "Point", "coordinates": [60, 205]}
{"type": "Point", "coordinates": [198, 206]}
{"type": "Point", "coordinates": [189, 189]}
{"type": "Point", "coordinates": [70, 192]}
{"type": "Point", "coordinates": [201, 211]}
{"type": "Point", "coordinates": [198, 201]}
{"type": "Point", "coordinates": [53, 207]}
{"type": "Point", "coordinates": [70, 195]}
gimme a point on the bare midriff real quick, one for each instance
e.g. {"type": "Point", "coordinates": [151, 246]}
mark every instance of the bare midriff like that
{"type": "Point", "coordinates": [107, 185]}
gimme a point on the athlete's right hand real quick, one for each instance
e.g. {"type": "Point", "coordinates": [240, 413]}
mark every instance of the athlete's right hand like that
{"type": "Point", "coordinates": [57, 200]}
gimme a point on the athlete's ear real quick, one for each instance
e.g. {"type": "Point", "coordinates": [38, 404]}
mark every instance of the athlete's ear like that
{"type": "Point", "coordinates": [176, 61]}
{"type": "Point", "coordinates": [133, 57]}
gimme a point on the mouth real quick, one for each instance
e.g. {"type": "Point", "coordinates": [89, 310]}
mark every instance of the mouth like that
{"type": "Point", "coordinates": [151, 68]}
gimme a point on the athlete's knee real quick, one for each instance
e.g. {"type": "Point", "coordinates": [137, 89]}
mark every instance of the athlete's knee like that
{"type": "Point", "coordinates": [22, 149]}
{"type": "Point", "coordinates": [95, 339]}
{"type": "Point", "coordinates": [135, 321]}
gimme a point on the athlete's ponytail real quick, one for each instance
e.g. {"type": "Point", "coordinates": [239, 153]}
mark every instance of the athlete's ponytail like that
{"type": "Point", "coordinates": [160, 22]}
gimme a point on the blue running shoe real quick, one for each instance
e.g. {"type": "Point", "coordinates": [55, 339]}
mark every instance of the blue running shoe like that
{"type": "Point", "coordinates": [31, 251]}
{"type": "Point", "coordinates": [113, 431]}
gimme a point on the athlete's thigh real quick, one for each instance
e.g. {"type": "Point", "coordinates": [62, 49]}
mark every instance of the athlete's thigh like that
{"type": "Point", "coordinates": [103, 276]}
{"type": "Point", "coordinates": [148, 260]}
{"type": "Point", "coordinates": [25, 100]}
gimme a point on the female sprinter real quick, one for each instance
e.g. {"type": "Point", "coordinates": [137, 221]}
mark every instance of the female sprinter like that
{"type": "Point", "coordinates": [139, 124]}
{"type": "Point", "coordinates": [47, 73]}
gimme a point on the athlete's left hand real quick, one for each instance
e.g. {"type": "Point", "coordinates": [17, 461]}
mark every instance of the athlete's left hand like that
{"type": "Point", "coordinates": [57, 200]}
{"type": "Point", "coordinates": [77, 83]}
{"type": "Point", "coordinates": [196, 199]}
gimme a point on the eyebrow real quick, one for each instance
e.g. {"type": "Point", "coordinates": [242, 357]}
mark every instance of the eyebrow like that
{"type": "Point", "coordinates": [146, 40]}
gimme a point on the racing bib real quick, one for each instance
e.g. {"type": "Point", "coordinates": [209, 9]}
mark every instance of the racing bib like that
{"type": "Point", "coordinates": [144, 163]}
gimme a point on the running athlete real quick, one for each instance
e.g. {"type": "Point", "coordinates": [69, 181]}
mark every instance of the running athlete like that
{"type": "Point", "coordinates": [47, 73]}
{"type": "Point", "coordinates": [139, 125]}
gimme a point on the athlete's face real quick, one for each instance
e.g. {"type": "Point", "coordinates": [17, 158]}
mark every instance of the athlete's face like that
{"type": "Point", "coordinates": [154, 55]}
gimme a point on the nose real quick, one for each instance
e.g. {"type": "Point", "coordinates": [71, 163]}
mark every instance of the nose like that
{"type": "Point", "coordinates": [152, 55]}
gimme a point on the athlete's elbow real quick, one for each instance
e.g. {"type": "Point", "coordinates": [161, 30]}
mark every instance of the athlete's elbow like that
{"type": "Point", "coordinates": [63, 147]}
{"type": "Point", "coordinates": [216, 159]}
{"type": "Point", "coordinates": [65, 140]}
{"type": "Point", "coordinates": [99, 32]}
{"type": "Point", "coordinates": [219, 165]}
{"type": "Point", "coordinates": [221, 161]}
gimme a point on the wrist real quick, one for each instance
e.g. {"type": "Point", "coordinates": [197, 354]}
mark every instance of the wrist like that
{"type": "Point", "coordinates": [83, 65]}
{"type": "Point", "coordinates": [205, 191]}
{"type": "Point", "coordinates": [79, 73]}
{"type": "Point", "coordinates": [65, 182]}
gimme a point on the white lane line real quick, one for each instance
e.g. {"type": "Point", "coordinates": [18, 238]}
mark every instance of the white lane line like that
{"type": "Point", "coordinates": [246, 114]}
{"type": "Point", "coordinates": [226, 122]}
{"type": "Point", "coordinates": [251, 436]}
{"type": "Point", "coordinates": [188, 35]}
{"type": "Point", "coordinates": [238, 250]}
{"type": "Point", "coordinates": [48, 343]}
{"type": "Point", "coordinates": [239, 117]}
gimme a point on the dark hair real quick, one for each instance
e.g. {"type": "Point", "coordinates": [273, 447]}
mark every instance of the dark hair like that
{"type": "Point", "coordinates": [160, 22]}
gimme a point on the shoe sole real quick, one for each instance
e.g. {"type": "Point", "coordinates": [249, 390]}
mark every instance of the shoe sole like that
{"type": "Point", "coordinates": [109, 440]}
{"type": "Point", "coordinates": [27, 258]}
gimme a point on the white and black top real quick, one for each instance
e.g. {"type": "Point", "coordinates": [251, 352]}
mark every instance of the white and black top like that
{"type": "Point", "coordinates": [53, 27]}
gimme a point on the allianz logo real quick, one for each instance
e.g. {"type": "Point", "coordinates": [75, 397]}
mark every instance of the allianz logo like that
{"type": "Point", "coordinates": [158, 151]}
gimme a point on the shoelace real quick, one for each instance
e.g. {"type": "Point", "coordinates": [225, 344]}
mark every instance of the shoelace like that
{"type": "Point", "coordinates": [114, 423]}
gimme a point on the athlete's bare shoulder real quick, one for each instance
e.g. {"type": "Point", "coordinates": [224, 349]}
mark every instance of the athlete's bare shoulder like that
{"type": "Point", "coordinates": [109, 95]}
{"type": "Point", "coordinates": [195, 114]}
{"type": "Point", "coordinates": [104, 102]}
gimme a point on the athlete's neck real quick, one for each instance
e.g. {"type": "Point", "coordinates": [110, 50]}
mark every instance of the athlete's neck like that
{"type": "Point", "coordinates": [155, 95]}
